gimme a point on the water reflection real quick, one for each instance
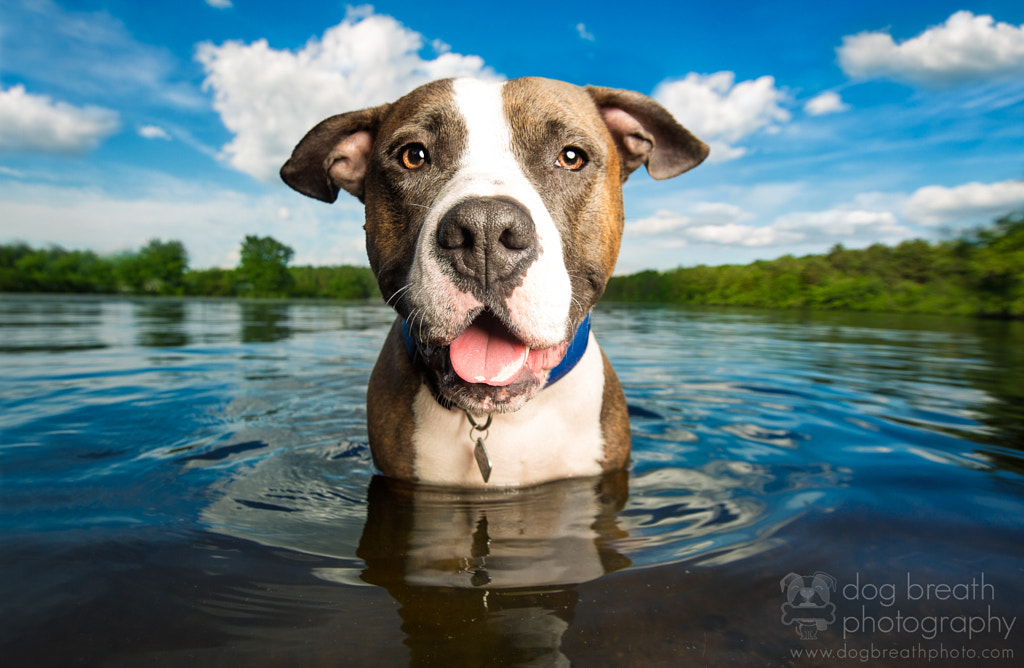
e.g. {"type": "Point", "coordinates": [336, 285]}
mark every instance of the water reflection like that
{"type": "Point", "coordinates": [488, 576]}
{"type": "Point", "coordinates": [48, 324]}
{"type": "Point", "coordinates": [1002, 377]}
{"type": "Point", "coordinates": [264, 321]}
{"type": "Point", "coordinates": [554, 534]}
{"type": "Point", "coordinates": [161, 323]}
{"type": "Point", "coordinates": [477, 575]}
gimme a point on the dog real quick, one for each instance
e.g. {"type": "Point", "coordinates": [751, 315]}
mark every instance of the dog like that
{"type": "Point", "coordinates": [493, 223]}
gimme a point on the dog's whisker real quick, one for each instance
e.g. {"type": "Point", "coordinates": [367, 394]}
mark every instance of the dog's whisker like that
{"type": "Point", "coordinates": [423, 322]}
{"type": "Point", "coordinates": [412, 318]}
{"type": "Point", "coordinates": [417, 312]}
{"type": "Point", "coordinates": [397, 292]}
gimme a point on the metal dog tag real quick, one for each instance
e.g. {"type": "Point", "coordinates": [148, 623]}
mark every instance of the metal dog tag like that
{"type": "Point", "coordinates": [482, 460]}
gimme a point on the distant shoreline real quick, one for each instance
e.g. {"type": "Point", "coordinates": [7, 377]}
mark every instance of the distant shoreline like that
{"type": "Point", "coordinates": [979, 274]}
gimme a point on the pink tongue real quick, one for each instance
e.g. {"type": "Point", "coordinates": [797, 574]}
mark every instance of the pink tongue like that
{"type": "Point", "coordinates": [484, 354]}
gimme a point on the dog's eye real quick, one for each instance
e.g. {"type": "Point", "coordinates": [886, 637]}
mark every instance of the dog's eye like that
{"type": "Point", "coordinates": [572, 158]}
{"type": "Point", "coordinates": [415, 156]}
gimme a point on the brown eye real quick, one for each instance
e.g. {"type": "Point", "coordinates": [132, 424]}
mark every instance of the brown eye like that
{"type": "Point", "coordinates": [572, 158]}
{"type": "Point", "coordinates": [414, 156]}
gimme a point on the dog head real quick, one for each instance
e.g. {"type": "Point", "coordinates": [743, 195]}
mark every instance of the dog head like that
{"type": "Point", "coordinates": [493, 216]}
{"type": "Point", "coordinates": [811, 591]}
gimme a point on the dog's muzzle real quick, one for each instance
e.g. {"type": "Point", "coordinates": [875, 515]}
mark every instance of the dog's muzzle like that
{"type": "Point", "coordinates": [499, 353]}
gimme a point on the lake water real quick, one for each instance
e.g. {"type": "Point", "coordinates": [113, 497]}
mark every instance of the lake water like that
{"type": "Point", "coordinates": [188, 482]}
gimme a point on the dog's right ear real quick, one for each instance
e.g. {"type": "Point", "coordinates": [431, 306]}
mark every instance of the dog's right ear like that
{"type": "Point", "coordinates": [646, 134]}
{"type": "Point", "coordinates": [333, 156]}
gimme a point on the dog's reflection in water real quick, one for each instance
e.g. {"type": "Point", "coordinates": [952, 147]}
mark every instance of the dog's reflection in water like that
{"type": "Point", "coordinates": [490, 575]}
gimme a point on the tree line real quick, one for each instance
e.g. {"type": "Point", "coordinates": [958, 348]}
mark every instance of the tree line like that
{"type": "Point", "coordinates": [980, 273]}
{"type": "Point", "coordinates": [161, 268]}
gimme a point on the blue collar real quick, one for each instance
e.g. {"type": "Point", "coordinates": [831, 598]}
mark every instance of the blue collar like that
{"type": "Point", "coordinates": [573, 355]}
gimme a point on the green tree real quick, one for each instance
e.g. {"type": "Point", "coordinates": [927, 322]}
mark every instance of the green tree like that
{"type": "Point", "coordinates": [264, 266]}
{"type": "Point", "coordinates": [128, 271]}
{"type": "Point", "coordinates": [995, 270]}
{"type": "Point", "coordinates": [158, 268]}
{"type": "Point", "coordinates": [54, 270]}
{"type": "Point", "coordinates": [12, 279]}
{"type": "Point", "coordinates": [163, 266]}
{"type": "Point", "coordinates": [914, 260]}
{"type": "Point", "coordinates": [340, 282]}
{"type": "Point", "coordinates": [214, 282]}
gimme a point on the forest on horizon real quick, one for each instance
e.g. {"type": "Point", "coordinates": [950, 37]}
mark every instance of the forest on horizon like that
{"type": "Point", "coordinates": [978, 273]}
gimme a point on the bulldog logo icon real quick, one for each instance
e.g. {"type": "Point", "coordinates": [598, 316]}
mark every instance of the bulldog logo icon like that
{"type": "Point", "coordinates": [807, 605]}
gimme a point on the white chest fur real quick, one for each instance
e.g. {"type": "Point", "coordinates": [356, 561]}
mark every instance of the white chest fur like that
{"type": "Point", "coordinates": [555, 435]}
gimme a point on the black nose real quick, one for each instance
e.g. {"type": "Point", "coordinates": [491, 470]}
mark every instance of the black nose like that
{"type": "Point", "coordinates": [489, 240]}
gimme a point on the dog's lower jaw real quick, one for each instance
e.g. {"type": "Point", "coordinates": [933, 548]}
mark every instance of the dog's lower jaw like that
{"type": "Point", "coordinates": [492, 400]}
{"type": "Point", "coordinates": [499, 401]}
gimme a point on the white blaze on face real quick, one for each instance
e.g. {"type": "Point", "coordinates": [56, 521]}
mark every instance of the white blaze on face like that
{"type": "Point", "coordinates": [539, 307]}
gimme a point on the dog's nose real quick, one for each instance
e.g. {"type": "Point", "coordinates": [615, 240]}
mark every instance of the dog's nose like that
{"type": "Point", "coordinates": [490, 240]}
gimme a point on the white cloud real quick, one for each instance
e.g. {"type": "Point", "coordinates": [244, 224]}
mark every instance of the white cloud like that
{"type": "Point", "coordinates": [701, 214]}
{"type": "Point", "coordinates": [153, 132]}
{"type": "Point", "coordinates": [734, 234]}
{"type": "Point", "coordinates": [828, 102]}
{"type": "Point", "coordinates": [964, 48]}
{"type": "Point", "coordinates": [37, 123]}
{"type": "Point", "coordinates": [269, 98]}
{"type": "Point", "coordinates": [970, 203]}
{"type": "Point", "coordinates": [722, 112]}
{"type": "Point", "coordinates": [219, 4]}
{"type": "Point", "coordinates": [844, 223]}
{"type": "Point", "coordinates": [714, 223]}
{"type": "Point", "coordinates": [870, 217]}
{"type": "Point", "coordinates": [582, 30]}
{"type": "Point", "coordinates": [723, 224]}
{"type": "Point", "coordinates": [661, 223]}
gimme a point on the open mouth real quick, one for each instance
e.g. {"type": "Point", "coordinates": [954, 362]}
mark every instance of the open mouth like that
{"type": "Point", "coordinates": [488, 368]}
{"type": "Point", "coordinates": [487, 352]}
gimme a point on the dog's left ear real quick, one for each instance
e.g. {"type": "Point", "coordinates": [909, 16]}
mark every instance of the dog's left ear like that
{"type": "Point", "coordinates": [334, 155]}
{"type": "Point", "coordinates": [789, 579]}
{"type": "Point", "coordinates": [645, 133]}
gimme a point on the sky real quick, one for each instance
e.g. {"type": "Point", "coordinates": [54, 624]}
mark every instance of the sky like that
{"type": "Point", "coordinates": [851, 123]}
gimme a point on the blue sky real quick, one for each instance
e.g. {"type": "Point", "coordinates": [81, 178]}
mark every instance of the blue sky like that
{"type": "Point", "coordinates": [852, 123]}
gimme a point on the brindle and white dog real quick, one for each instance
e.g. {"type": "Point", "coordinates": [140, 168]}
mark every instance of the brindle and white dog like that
{"type": "Point", "coordinates": [493, 222]}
